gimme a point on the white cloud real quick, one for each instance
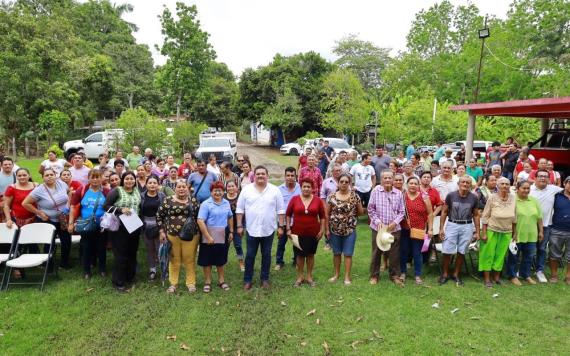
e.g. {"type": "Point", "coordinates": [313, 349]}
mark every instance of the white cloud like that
{"type": "Point", "coordinates": [248, 33]}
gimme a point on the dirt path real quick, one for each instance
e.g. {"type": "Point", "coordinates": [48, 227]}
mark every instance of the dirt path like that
{"type": "Point", "coordinates": [260, 155]}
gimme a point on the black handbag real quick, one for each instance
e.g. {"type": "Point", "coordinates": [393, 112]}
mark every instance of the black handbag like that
{"type": "Point", "coordinates": [190, 227]}
{"type": "Point", "coordinates": [89, 224]}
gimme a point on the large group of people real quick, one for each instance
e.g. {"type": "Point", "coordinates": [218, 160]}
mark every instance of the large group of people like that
{"type": "Point", "coordinates": [196, 210]}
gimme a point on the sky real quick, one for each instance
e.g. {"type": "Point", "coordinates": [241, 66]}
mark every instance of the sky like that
{"type": "Point", "coordinates": [248, 33]}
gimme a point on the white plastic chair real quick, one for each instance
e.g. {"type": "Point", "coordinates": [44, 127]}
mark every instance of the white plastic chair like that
{"type": "Point", "coordinates": [75, 239]}
{"type": "Point", "coordinates": [37, 233]}
{"type": "Point", "coordinates": [6, 237]}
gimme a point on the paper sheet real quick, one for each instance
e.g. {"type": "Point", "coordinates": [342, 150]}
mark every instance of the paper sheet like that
{"type": "Point", "coordinates": [131, 222]}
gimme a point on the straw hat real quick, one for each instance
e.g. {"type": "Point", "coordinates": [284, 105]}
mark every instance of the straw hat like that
{"type": "Point", "coordinates": [384, 239]}
{"type": "Point", "coordinates": [295, 240]}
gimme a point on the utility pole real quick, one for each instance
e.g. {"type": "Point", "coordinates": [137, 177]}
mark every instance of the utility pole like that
{"type": "Point", "coordinates": [483, 34]}
{"type": "Point", "coordinates": [375, 127]}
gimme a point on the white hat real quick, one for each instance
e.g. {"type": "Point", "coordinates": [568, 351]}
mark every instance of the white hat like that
{"type": "Point", "coordinates": [295, 240]}
{"type": "Point", "coordinates": [384, 239]}
{"type": "Point", "coordinates": [513, 247]}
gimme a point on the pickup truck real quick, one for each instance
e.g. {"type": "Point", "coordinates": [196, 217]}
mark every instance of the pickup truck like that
{"type": "Point", "coordinates": [95, 144]}
{"type": "Point", "coordinates": [222, 147]}
{"type": "Point", "coordinates": [232, 136]}
{"type": "Point", "coordinates": [554, 145]}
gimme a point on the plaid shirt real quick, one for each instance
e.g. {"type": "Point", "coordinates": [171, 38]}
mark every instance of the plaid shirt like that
{"type": "Point", "coordinates": [314, 175]}
{"type": "Point", "coordinates": [385, 207]}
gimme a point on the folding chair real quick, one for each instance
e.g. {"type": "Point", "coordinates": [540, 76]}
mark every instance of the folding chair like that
{"type": "Point", "coordinates": [37, 233]}
{"type": "Point", "coordinates": [7, 237]}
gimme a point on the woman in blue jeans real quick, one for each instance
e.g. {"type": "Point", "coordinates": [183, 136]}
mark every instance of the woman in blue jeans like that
{"type": "Point", "coordinates": [419, 215]}
{"type": "Point", "coordinates": [529, 231]}
{"type": "Point", "coordinates": [342, 209]}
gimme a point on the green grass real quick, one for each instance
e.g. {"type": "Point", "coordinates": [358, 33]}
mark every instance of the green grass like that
{"type": "Point", "coordinates": [283, 160]}
{"type": "Point", "coordinates": [32, 165]}
{"type": "Point", "coordinates": [74, 316]}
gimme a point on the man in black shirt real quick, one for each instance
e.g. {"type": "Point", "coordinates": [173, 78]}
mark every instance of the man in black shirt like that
{"type": "Point", "coordinates": [510, 158]}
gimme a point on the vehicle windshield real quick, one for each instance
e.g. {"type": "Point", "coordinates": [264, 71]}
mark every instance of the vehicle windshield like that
{"type": "Point", "coordinates": [215, 142]}
{"type": "Point", "coordinates": [338, 144]}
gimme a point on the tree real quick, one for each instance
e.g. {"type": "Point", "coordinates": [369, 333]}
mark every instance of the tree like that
{"type": "Point", "coordinates": [142, 129]}
{"type": "Point", "coordinates": [364, 58]}
{"type": "Point", "coordinates": [285, 113]}
{"type": "Point", "coordinates": [186, 134]}
{"type": "Point", "coordinates": [54, 124]}
{"type": "Point", "coordinates": [188, 53]}
{"type": "Point", "coordinates": [345, 108]}
{"type": "Point", "coordinates": [217, 104]}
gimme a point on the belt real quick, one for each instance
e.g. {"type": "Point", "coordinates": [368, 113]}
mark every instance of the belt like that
{"type": "Point", "coordinates": [461, 222]}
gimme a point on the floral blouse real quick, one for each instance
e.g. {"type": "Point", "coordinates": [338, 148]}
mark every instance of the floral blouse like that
{"type": "Point", "coordinates": [343, 214]}
{"type": "Point", "coordinates": [172, 215]}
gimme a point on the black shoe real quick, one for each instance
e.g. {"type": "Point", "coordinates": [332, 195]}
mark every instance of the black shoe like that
{"type": "Point", "coordinates": [459, 282]}
{"type": "Point", "coordinates": [151, 276]}
{"type": "Point", "coordinates": [442, 280]}
{"type": "Point", "coordinates": [121, 289]}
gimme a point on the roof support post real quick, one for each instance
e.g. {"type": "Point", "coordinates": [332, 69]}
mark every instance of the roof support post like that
{"type": "Point", "coordinates": [544, 123]}
{"type": "Point", "coordinates": [470, 137]}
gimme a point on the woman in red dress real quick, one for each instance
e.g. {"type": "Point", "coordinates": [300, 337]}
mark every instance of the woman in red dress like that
{"type": "Point", "coordinates": [306, 219]}
{"type": "Point", "coordinates": [15, 194]}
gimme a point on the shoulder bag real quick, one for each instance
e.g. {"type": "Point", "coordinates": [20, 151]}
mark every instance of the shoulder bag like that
{"type": "Point", "coordinates": [417, 234]}
{"type": "Point", "coordinates": [89, 224]}
{"type": "Point", "coordinates": [190, 228]}
{"type": "Point", "coordinates": [61, 216]}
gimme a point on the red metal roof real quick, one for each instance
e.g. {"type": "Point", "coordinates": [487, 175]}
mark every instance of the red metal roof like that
{"type": "Point", "coordinates": [545, 108]}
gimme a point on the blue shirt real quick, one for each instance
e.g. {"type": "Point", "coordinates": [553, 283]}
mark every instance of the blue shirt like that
{"type": "Point", "coordinates": [88, 204]}
{"type": "Point", "coordinates": [410, 152]}
{"type": "Point", "coordinates": [439, 153]}
{"type": "Point", "coordinates": [561, 216]}
{"type": "Point", "coordinates": [287, 195]}
{"type": "Point", "coordinates": [195, 179]}
{"type": "Point", "coordinates": [215, 214]}
{"type": "Point", "coordinates": [323, 165]}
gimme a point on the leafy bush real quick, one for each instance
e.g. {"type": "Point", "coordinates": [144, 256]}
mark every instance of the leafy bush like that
{"type": "Point", "coordinates": [365, 146]}
{"type": "Point", "coordinates": [308, 136]}
{"type": "Point", "coordinates": [58, 151]}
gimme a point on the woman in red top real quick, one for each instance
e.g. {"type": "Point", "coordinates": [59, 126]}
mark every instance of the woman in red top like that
{"type": "Point", "coordinates": [419, 214]}
{"type": "Point", "coordinates": [73, 185]}
{"type": "Point", "coordinates": [307, 214]}
{"type": "Point", "coordinates": [15, 194]}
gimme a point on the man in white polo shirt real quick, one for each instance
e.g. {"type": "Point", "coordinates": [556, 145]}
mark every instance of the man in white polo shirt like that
{"type": "Point", "coordinates": [262, 204]}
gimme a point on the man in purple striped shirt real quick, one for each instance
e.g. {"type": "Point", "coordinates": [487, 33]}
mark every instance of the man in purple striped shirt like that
{"type": "Point", "coordinates": [386, 208]}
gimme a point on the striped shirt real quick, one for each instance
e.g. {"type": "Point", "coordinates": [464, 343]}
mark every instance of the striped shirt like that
{"type": "Point", "coordinates": [385, 207]}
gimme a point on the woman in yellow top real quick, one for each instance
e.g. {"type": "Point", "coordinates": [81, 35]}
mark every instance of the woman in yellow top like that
{"type": "Point", "coordinates": [499, 227]}
{"type": "Point", "coordinates": [529, 231]}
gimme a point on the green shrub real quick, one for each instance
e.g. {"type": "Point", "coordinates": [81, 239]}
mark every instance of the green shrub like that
{"type": "Point", "coordinates": [308, 136]}
{"type": "Point", "coordinates": [58, 151]}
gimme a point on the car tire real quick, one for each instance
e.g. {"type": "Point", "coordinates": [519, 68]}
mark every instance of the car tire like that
{"type": "Point", "coordinates": [293, 152]}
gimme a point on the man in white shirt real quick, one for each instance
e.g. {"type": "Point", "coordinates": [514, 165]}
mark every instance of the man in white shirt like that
{"type": "Point", "coordinates": [79, 172]}
{"type": "Point", "coordinates": [119, 157]}
{"type": "Point", "coordinates": [447, 157]}
{"type": "Point", "coordinates": [364, 178]}
{"type": "Point", "coordinates": [54, 163]}
{"type": "Point", "coordinates": [544, 193]}
{"type": "Point", "coordinates": [446, 182]}
{"type": "Point", "coordinates": [262, 204]}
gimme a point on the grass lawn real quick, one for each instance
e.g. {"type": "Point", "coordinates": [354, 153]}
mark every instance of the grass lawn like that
{"type": "Point", "coordinates": [32, 165]}
{"type": "Point", "coordinates": [283, 160]}
{"type": "Point", "coordinates": [75, 316]}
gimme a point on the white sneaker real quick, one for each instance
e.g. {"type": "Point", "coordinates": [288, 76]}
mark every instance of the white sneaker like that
{"type": "Point", "coordinates": [541, 277]}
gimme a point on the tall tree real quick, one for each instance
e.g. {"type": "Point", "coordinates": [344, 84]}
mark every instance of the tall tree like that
{"type": "Point", "coordinates": [188, 54]}
{"type": "Point", "coordinates": [363, 58]}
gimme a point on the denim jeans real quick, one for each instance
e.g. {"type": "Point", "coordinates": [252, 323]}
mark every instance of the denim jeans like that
{"type": "Point", "coordinates": [253, 243]}
{"type": "Point", "coordinates": [508, 175]}
{"type": "Point", "coordinates": [280, 254]}
{"type": "Point", "coordinates": [237, 243]}
{"type": "Point", "coordinates": [407, 245]}
{"type": "Point", "coordinates": [527, 250]}
{"type": "Point", "coordinates": [542, 250]}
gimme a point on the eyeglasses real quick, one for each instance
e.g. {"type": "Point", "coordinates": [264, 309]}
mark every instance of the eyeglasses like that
{"type": "Point", "coordinates": [343, 182]}
{"type": "Point", "coordinates": [542, 176]}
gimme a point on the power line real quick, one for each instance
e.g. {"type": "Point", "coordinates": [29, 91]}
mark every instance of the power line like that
{"type": "Point", "coordinates": [506, 64]}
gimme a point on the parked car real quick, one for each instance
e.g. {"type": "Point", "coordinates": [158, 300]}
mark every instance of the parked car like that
{"type": "Point", "coordinates": [338, 144]}
{"type": "Point", "coordinates": [95, 144]}
{"type": "Point", "coordinates": [222, 148]}
{"type": "Point", "coordinates": [291, 149]}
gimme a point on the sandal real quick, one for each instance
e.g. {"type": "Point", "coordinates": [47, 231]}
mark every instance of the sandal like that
{"type": "Point", "coordinates": [373, 280]}
{"type": "Point", "coordinates": [347, 282]}
{"type": "Point", "coordinates": [207, 288]}
{"type": "Point", "coordinates": [224, 286]}
{"type": "Point", "coordinates": [297, 283]}
{"type": "Point", "coordinates": [333, 279]}
{"type": "Point", "coordinates": [171, 290]}
{"type": "Point", "coordinates": [191, 288]}
{"type": "Point", "coordinates": [312, 283]}
{"type": "Point", "coordinates": [419, 281]}
{"type": "Point", "coordinates": [151, 276]}
{"type": "Point", "coordinates": [489, 284]}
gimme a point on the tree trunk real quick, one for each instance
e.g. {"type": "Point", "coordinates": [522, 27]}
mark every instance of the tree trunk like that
{"type": "Point", "coordinates": [178, 105]}
{"type": "Point", "coordinates": [37, 145]}
{"type": "Point", "coordinates": [14, 153]}
{"type": "Point", "coordinates": [27, 147]}
{"type": "Point", "coordinates": [131, 98]}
